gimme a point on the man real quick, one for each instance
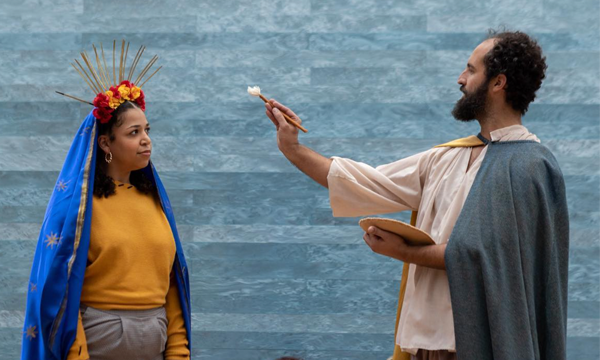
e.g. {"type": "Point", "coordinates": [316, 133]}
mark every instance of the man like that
{"type": "Point", "coordinates": [494, 286]}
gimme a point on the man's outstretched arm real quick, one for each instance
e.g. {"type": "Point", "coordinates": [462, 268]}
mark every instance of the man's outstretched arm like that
{"type": "Point", "coordinates": [313, 164]}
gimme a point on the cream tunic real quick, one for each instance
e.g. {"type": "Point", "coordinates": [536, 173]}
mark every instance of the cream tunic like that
{"type": "Point", "coordinates": [436, 183]}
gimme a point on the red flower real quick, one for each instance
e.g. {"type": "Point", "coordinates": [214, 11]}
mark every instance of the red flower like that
{"type": "Point", "coordinates": [101, 101]}
{"type": "Point", "coordinates": [141, 101]}
{"type": "Point", "coordinates": [126, 82]}
{"type": "Point", "coordinates": [103, 114]}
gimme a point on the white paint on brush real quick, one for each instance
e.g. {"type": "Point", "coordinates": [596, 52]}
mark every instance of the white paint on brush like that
{"type": "Point", "coordinates": [254, 90]}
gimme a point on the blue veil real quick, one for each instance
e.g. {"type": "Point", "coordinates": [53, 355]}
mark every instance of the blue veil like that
{"type": "Point", "coordinates": [60, 259]}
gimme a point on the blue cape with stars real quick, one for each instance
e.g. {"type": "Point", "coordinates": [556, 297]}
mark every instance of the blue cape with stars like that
{"type": "Point", "coordinates": [58, 269]}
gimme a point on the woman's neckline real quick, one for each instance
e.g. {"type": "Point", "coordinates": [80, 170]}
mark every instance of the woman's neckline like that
{"type": "Point", "coordinates": [123, 185]}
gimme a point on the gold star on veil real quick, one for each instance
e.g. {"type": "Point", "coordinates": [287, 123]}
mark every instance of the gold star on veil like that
{"type": "Point", "coordinates": [62, 185]}
{"type": "Point", "coordinates": [31, 332]}
{"type": "Point", "coordinates": [52, 240]}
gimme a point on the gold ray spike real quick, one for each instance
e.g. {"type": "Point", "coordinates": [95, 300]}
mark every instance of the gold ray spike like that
{"type": "Point", "coordinates": [114, 48]}
{"type": "Point", "coordinates": [137, 63]}
{"type": "Point", "coordinates": [90, 65]}
{"type": "Point", "coordinates": [160, 67]}
{"type": "Point", "coordinates": [95, 85]}
{"type": "Point", "coordinates": [84, 79]}
{"type": "Point", "coordinates": [121, 63]}
{"type": "Point", "coordinates": [125, 62]}
{"type": "Point", "coordinates": [146, 68]}
{"type": "Point", "coordinates": [92, 71]}
{"type": "Point", "coordinates": [99, 68]}
{"type": "Point", "coordinates": [75, 98]}
{"type": "Point", "coordinates": [136, 59]}
{"type": "Point", "coordinates": [106, 71]}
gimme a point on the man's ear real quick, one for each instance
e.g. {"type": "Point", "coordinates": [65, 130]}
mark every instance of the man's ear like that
{"type": "Point", "coordinates": [499, 83]}
{"type": "Point", "coordinates": [103, 143]}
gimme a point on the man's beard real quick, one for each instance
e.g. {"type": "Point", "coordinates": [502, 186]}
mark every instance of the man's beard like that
{"type": "Point", "coordinates": [472, 105]}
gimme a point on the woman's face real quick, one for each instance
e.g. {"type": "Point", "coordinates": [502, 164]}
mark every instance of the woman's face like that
{"type": "Point", "coordinates": [131, 145]}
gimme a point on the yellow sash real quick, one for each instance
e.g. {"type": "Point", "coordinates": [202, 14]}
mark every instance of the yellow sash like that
{"type": "Point", "coordinates": [471, 141]}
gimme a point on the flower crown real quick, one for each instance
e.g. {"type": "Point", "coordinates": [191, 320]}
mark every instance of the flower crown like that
{"type": "Point", "coordinates": [109, 100]}
{"type": "Point", "coordinates": [111, 94]}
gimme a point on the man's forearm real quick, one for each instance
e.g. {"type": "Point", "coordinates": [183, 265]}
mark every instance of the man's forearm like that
{"type": "Point", "coordinates": [313, 164]}
{"type": "Point", "coordinates": [431, 256]}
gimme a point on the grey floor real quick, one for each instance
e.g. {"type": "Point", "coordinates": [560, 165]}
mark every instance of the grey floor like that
{"type": "Point", "coordinates": [273, 273]}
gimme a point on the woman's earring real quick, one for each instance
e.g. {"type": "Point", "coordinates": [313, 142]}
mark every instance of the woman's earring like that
{"type": "Point", "coordinates": [108, 157]}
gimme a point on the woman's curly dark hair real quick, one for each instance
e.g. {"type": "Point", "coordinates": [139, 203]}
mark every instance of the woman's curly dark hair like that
{"type": "Point", "coordinates": [520, 59]}
{"type": "Point", "coordinates": [104, 185]}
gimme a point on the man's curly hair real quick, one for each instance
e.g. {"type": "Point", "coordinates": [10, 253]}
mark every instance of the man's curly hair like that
{"type": "Point", "coordinates": [520, 59]}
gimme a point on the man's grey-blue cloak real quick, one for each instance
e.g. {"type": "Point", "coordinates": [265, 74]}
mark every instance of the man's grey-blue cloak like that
{"type": "Point", "coordinates": [507, 258]}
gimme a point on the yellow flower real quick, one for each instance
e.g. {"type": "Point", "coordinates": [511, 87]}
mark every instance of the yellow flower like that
{"type": "Point", "coordinates": [135, 92]}
{"type": "Point", "coordinates": [124, 90]}
{"type": "Point", "coordinates": [113, 102]}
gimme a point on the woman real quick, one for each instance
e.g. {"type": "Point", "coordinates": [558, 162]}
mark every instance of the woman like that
{"type": "Point", "coordinates": [109, 279]}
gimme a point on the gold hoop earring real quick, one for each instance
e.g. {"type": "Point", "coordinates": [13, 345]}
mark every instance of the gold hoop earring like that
{"type": "Point", "coordinates": [108, 157]}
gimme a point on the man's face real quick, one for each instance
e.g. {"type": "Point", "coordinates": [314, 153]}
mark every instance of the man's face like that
{"type": "Point", "coordinates": [473, 84]}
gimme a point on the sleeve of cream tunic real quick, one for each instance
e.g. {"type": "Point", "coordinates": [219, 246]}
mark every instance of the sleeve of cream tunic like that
{"type": "Point", "coordinates": [357, 189]}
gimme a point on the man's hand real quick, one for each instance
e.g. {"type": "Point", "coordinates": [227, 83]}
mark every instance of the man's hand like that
{"type": "Point", "coordinates": [386, 243]}
{"type": "Point", "coordinates": [287, 134]}
{"type": "Point", "coordinates": [391, 245]}
{"type": "Point", "coordinates": [308, 161]}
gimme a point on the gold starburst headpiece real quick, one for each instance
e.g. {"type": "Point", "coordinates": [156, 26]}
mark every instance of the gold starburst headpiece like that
{"type": "Point", "coordinates": [109, 92]}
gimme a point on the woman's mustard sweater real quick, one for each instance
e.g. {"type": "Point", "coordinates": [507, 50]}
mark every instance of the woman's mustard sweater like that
{"type": "Point", "coordinates": [130, 263]}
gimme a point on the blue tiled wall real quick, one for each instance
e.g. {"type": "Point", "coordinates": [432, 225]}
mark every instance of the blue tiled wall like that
{"type": "Point", "coordinates": [273, 273]}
